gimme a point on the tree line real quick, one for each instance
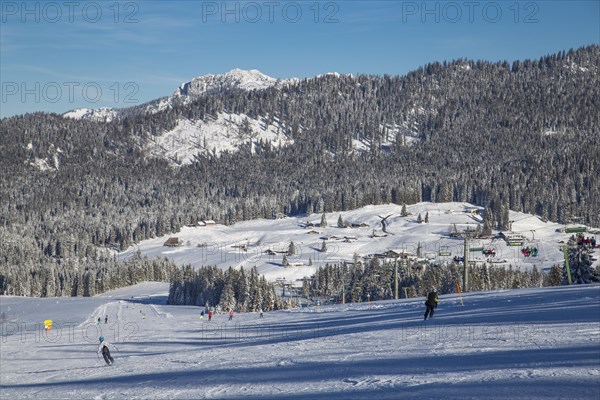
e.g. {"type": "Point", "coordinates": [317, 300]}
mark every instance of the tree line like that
{"type": "Point", "coordinates": [231, 289]}
{"type": "Point", "coordinates": [376, 280]}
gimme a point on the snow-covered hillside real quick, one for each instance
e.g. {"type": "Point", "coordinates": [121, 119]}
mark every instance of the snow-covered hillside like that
{"type": "Point", "coordinates": [104, 114]}
{"type": "Point", "coordinates": [262, 243]}
{"type": "Point", "coordinates": [515, 344]}
{"type": "Point", "coordinates": [227, 132]}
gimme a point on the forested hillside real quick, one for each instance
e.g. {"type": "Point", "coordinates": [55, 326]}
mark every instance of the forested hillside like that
{"type": "Point", "coordinates": [522, 136]}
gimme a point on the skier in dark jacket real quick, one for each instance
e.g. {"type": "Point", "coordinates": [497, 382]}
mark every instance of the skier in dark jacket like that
{"type": "Point", "coordinates": [105, 351]}
{"type": "Point", "coordinates": [431, 303]}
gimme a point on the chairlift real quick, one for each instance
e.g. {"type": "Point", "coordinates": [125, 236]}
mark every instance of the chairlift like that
{"type": "Point", "coordinates": [444, 252]}
{"type": "Point", "coordinates": [530, 251]}
{"type": "Point", "coordinates": [489, 252]}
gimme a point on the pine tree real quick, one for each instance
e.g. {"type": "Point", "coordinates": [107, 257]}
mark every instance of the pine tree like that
{"type": "Point", "coordinates": [488, 221]}
{"type": "Point", "coordinates": [427, 217]}
{"type": "Point", "coordinates": [323, 246]}
{"type": "Point", "coordinates": [256, 294]}
{"type": "Point", "coordinates": [581, 268]}
{"type": "Point", "coordinates": [419, 219]}
{"type": "Point", "coordinates": [555, 277]}
{"type": "Point", "coordinates": [291, 249]}
{"type": "Point", "coordinates": [403, 213]}
{"type": "Point", "coordinates": [242, 292]}
{"type": "Point", "coordinates": [323, 221]}
{"type": "Point", "coordinates": [340, 222]}
{"type": "Point", "coordinates": [228, 297]}
{"type": "Point", "coordinates": [503, 220]}
{"type": "Point", "coordinates": [269, 295]}
{"type": "Point", "coordinates": [305, 288]}
{"type": "Point", "coordinates": [487, 229]}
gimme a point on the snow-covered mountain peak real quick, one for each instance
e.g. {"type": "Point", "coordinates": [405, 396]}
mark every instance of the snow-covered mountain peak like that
{"type": "Point", "coordinates": [236, 79]}
{"type": "Point", "coordinates": [210, 84]}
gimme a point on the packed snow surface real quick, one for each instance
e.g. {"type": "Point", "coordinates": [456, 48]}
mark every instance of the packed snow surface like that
{"type": "Point", "coordinates": [512, 344]}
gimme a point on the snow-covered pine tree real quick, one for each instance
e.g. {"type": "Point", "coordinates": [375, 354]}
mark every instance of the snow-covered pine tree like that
{"type": "Point", "coordinates": [242, 292]}
{"type": "Point", "coordinates": [403, 213]}
{"type": "Point", "coordinates": [555, 277]}
{"type": "Point", "coordinates": [581, 268]}
{"type": "Point", "coordinates": [323, 221]}
{"type": "Point", "coordinates": [228, 297]}
{"type": "Point", "coordinates": [256, 294]}
{"type": "Point", "coordinates": [305, 288]}
{"type": "Point", "coordinates": [323, 246]}
{"type": "Point", "coordinates": [291, 249]}
{"type": "Point", "coordinates": [268, 300]}
{"type": "Point", "coordinates": [503, 222]}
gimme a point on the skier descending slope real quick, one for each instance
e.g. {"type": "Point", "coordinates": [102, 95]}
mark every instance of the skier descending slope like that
{"type": "Point", "coordinates": [105, 351]}
{"type": "Point", "coordinates": [431, 303]}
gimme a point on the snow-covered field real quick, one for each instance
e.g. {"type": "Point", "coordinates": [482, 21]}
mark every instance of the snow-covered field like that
{"type": "Point", "coordinates": [246, 243]}
{"type": "Point", "coordinates": [514, 344]}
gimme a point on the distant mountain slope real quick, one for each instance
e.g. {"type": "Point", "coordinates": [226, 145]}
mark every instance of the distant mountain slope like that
{"type": "Point", "coordinates": [520, 136]}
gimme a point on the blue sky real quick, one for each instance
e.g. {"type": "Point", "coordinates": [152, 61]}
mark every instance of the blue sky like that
{"type": "Point", "coordinates": [60, 55]}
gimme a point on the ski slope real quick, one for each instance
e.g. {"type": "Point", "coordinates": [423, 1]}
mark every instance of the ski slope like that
{"type": "Point", "coordinates": [514, 344]}
{"type": "Point", "coordinates": [245, 244]}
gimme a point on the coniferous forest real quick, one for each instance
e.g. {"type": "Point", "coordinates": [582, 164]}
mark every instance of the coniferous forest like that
{"type": "Point", "coordinates": [521, 135]}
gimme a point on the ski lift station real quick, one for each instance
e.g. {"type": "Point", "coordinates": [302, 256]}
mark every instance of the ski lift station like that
{"type": "Point", "coordinates": [513, 239]}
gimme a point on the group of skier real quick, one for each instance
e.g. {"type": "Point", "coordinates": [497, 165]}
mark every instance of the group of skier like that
{"type": "Point", "coordinates": [231, 313]}
{"type": "Point", "coordinates": [587, 243]}
{"type": "Point", "coordinates": [209, 314]}
{"type": "Point", "coordinates": [529, 251]}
